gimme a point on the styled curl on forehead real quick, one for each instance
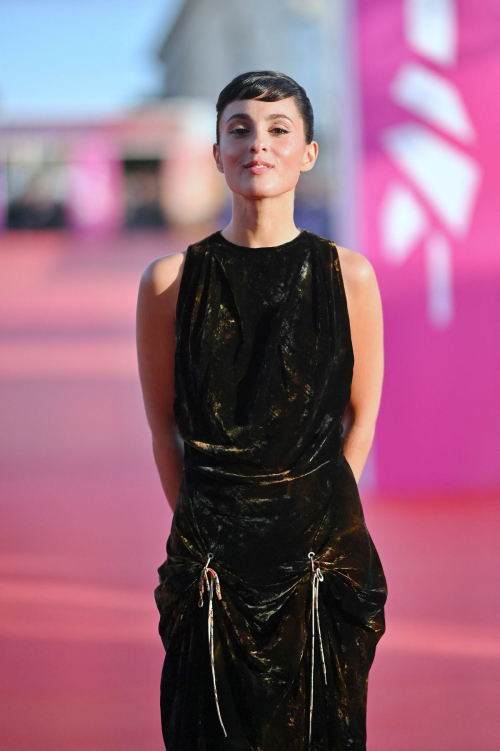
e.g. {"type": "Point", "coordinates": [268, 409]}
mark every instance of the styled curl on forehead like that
{"type": "Point", "coordinates": [268, 86]}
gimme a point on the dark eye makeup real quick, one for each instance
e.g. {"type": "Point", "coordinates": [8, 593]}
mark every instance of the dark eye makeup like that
{"type": "Point", "coordinates": [243, 130]}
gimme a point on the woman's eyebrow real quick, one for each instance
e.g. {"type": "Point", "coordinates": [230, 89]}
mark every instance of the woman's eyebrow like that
{"type": "Point", "coordinates": [244, 116]}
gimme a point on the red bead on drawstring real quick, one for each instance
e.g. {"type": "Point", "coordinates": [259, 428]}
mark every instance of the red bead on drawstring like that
{"type": "Point", "coordinates": [316, 577]}
{"type": "Point", "coordinates": [207, 578]}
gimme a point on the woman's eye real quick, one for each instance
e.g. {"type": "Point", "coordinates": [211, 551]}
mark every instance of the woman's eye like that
{"type": "Point", "coordinates": [244, 130]}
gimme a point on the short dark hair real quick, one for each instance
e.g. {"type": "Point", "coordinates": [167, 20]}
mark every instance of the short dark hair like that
{"type": "Point", "coordinates": [274, 86]}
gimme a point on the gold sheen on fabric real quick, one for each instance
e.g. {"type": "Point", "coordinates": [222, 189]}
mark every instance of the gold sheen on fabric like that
{"type": "Point", "coordinates": [268, 530]}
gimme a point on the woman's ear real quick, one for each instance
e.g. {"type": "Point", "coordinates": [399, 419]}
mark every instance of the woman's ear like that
{"type": "Point", "coordinates": [216, 153]}
{"type": "Point", "coordinates": [310, 156]}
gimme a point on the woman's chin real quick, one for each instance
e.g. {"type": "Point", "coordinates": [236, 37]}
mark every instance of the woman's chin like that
{"type": "Point", "coordinates": [258, 190]}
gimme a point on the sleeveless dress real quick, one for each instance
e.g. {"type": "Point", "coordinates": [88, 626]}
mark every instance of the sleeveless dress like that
{"type": "Point", "coordinates": [272, 595]}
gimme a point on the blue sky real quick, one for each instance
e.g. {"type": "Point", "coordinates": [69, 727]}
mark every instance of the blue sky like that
{"type": "Point", "coordinates": [79, 57]}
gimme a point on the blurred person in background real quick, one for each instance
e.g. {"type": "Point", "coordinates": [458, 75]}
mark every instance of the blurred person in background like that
{"type": "Point", "coordinates": [252, 344]}
{"type": "Point", "coordinates": [36, 208]}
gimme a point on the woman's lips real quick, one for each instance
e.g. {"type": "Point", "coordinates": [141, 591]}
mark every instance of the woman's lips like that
{"type": "Point", "coordinates": [256, 169]}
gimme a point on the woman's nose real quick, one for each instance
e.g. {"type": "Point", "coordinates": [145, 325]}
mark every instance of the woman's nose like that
{"type": "Point", "coordinates": [259, 142]}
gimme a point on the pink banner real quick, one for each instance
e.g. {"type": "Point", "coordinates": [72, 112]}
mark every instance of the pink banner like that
{"type": "Point", "coordinates": [95, 186]}
{"type": "Point", "coordinates": [429, 177]}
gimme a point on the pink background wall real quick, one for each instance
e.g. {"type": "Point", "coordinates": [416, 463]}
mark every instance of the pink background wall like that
{"type": "Point", "coordinates": [429, 180]}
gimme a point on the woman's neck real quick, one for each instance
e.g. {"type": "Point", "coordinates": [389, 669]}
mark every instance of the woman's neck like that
{"type": "Point", "coordinates": [262, 223]}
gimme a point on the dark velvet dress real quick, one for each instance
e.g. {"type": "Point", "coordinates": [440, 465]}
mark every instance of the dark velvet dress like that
{"type": "Point", "coordinates": [272, 595]}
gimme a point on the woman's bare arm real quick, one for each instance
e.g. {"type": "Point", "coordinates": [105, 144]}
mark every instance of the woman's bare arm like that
{"type": "Point", "coordinates": [365, 314]}
{"type": "Point", "coordinates": [157, 298]}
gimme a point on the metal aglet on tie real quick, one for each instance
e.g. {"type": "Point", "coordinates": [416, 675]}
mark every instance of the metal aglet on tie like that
{"type": "Point", "coordinates": [316, 577]}
{"type": "Point", "coordinates": [207, 578]}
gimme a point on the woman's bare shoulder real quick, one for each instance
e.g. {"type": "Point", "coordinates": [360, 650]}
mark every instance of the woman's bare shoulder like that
{"type": "Point", "coordinates": [357, 272]}
{"type": "Point", "coordinates": [160, 280]}
{"type": "Point", "coordinates": [162, 273]}
{"type": "Point", "coordinates": [356, 268]}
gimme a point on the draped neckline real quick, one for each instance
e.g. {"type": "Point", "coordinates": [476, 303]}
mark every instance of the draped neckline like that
{"type": "Point", "coordinates": [245, 248]}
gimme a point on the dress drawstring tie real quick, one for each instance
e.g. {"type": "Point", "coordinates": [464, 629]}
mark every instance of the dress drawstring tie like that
{"type": "Point", "coordinates": [207, 578]}
{"type": "Point", "coordinates": [316, 578]}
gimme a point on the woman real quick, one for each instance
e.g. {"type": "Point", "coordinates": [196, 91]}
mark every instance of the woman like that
{"type": "Point", "coordinates": [272, 595]}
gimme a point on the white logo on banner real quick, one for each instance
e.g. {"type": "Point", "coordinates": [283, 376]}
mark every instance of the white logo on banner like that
{"type": "Point", "coordinates": [443, 178]}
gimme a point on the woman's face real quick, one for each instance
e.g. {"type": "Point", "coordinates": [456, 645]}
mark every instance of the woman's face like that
{"type": "Point", "coordinates": [251, 130]}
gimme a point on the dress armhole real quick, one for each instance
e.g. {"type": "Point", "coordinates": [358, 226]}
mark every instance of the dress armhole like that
{"type": "Point", "coordinates": [340, 281]}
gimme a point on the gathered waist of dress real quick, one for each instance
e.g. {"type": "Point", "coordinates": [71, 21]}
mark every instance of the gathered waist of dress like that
{"type": "Point", "coordinates": [248, 472]}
